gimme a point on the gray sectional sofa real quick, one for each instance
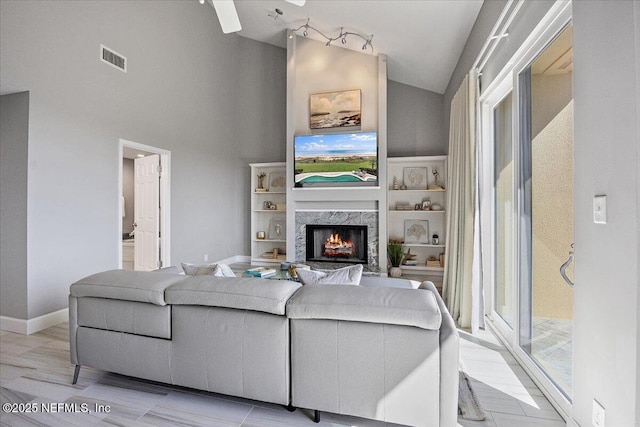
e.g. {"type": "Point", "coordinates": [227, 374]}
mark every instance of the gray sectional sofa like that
{"type": "Point", "coordinates": [376, 351]}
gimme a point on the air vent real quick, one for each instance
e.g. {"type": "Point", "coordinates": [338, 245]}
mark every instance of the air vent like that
{"type": "Point", "coordinates": [112, 58]}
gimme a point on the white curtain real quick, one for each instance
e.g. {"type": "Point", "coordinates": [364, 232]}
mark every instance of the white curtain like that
{"type": "Point", "coordinates": [462, 285]}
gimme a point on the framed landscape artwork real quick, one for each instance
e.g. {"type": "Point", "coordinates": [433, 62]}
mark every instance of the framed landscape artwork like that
{"type": "Point", "coordinates": [335, 109]}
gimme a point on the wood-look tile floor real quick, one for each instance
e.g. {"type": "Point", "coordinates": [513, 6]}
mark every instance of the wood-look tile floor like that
{"type": "Point", "coordinates": [36, 369]}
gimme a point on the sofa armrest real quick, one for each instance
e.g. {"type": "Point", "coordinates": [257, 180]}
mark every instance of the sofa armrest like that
{"type": "Point", "coordinates": [140, 286]}
{"type": "Point", "coordinates": [449, 363]}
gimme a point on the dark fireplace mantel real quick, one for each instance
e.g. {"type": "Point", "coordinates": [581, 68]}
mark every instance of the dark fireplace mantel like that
{"type": "Point", "coordinates": [337, 243]}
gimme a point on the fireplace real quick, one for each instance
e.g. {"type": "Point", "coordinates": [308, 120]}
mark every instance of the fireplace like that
{"type": "Point", "coordinates": [337, 243]}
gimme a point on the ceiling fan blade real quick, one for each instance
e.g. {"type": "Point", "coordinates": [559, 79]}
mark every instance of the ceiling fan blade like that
{"type": "Point", "coordinates": [227, 15]}
{"type": "Point", "coordinates": [296, 2]}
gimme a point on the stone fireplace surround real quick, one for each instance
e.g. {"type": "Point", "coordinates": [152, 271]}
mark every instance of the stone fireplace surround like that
{"type": "Point", "coordinates": [370, 218]}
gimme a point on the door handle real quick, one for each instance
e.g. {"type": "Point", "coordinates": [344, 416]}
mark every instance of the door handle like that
{"type": "Point", "coordinates": [563, 267]}
{"type": "Point", "coordinates": [135, 224]}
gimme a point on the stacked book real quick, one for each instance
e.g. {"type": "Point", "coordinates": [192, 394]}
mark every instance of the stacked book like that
{"type": "Point", "coordinates": [402, 206]}
{"type": "Point", "coordinates": [260, 272]}
{"type": "Point", "coordinates": [410, 263]}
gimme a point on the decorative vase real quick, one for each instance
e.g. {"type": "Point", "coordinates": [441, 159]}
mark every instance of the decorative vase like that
{"type": "Point", "coordinates": [395, 272]}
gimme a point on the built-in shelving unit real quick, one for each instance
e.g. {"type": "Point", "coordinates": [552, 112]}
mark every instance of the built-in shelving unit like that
{"type": "Point", "coordinates": [397, 196]}
{"type": "Point", "coordinates": [271, 222]}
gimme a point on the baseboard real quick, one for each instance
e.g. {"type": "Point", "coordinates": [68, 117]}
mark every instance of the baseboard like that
{"type": "Point", "coordinates": [28, 327]}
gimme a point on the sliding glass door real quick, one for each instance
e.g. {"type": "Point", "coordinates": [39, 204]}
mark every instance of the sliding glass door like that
{"type": "Point", "coordinates": [528, 126]}
{"type": "Point", "coordinates": [546, 209]}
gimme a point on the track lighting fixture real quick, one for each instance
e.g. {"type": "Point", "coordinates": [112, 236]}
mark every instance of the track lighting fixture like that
{"type": "Point", "coordinates": [342, 36]}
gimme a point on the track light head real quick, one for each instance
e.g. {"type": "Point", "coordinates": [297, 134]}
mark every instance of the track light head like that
{"type": "Point", "coordinates": [342, 36]}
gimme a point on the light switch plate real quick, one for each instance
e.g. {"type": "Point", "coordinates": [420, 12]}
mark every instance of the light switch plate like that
{"type": "Point", "coordinates": [600, 209]}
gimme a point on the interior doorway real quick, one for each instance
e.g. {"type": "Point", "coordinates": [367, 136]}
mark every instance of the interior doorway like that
{"type": "Point", "coordinates": [144, 183]}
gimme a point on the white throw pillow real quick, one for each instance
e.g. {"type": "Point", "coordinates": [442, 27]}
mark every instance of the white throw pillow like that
{"type": "Point", "coordinates": [343, 276]}
{"type": "Point", "coordinates": [198, 269]}
{"type": "Point", "coordinates": [223, 270]}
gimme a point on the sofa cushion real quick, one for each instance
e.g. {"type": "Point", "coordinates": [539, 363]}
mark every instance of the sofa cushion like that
{"type": "Point", "coordinates": [343, 276]}
{"type": "Point", "coordinates": [141, 286]}
{"type": "Point", "coordinates": [410, 307]}
{"type": "Point", "coordinates": [247, 293]}
{"type": "Point", "coordinates": [388, 282]}
{"type": "Point", "coordinates": [130, 317]}
{"type": "Point", "coordinates": [167, 270]}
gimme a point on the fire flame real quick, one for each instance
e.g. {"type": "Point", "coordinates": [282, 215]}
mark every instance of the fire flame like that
{"type": "Point", "coordinates": [336, 240]}
{"type": "Point", "coordinates": [334, 246]}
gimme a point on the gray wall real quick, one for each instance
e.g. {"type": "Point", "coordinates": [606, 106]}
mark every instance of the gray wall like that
{"type": "Point", "coordinates": [524, 22]}
{"type": "Point", "coordinates": [128, 192]}
{"type": "Point", "coordinates": [607, 137]}
{"type": "Point", "coordinates": [637, 259]}
{"type": "Point", "coordinates": [189, 89]}
{"type": "Point", "coordinates": [415, 119]}
{"type": "Point", "coordinates": [485, 21]}
{"type": "Point", "coordinates": [14, 145]}
{"type": "Point", "coordinates": [606, 361]}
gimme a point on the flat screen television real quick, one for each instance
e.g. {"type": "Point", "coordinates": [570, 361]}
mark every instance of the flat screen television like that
{"type": "Point", "coordinates": [336, 160]}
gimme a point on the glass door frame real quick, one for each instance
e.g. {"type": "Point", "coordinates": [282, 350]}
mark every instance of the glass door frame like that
{"type": "Point", "coordinates": [488, 106]}
{"type": "Point", "coordinates": [556, 19]}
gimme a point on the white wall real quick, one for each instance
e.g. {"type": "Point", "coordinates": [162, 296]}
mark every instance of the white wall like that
{"type": "Point", "coordinates": [14, 145]}
{"type": "Point", "coordinates": [315, 68]}
{"type": "Point", "coordinates": [189, 89]}
{"type": "Point", "coordinates": [319, 68]}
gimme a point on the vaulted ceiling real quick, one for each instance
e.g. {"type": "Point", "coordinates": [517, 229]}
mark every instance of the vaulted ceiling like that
{"type": "Point", "coordinates": [422, 39]}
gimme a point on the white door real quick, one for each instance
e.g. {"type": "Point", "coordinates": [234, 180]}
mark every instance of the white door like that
{"type": "Point", "coordinates": [146, 212]}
